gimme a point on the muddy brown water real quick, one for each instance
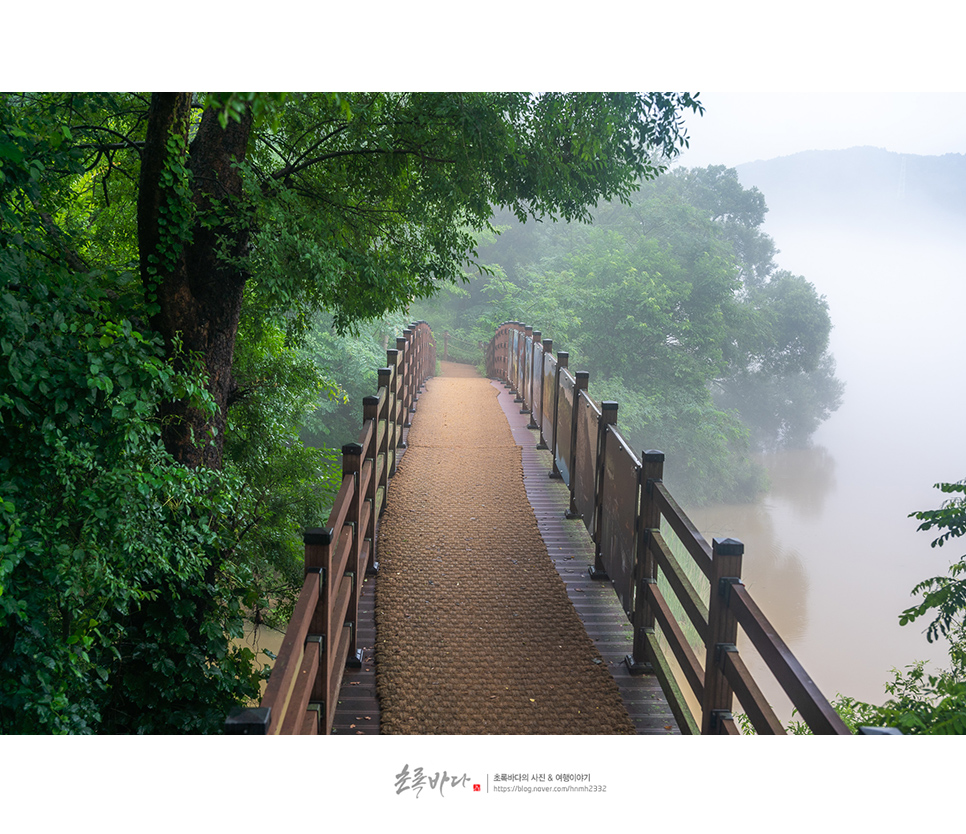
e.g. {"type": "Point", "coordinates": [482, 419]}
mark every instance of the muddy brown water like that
{"type": "Point", "coordinates": [831, 554]}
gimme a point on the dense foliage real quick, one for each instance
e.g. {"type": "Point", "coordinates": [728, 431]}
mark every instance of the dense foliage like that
{"type": "Point", "coordinates": [124, 574]}
{"type": "Point", "coordinates": [173, 267]}
{"type": "Point", "coordinates": [673, 303]}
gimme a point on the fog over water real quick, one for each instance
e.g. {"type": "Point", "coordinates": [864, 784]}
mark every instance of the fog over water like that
{"type": "Point", "coordinates": [831, 554]}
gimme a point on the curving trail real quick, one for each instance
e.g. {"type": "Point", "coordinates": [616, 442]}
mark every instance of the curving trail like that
{"type": "Point", "coordinates": [475, 633]}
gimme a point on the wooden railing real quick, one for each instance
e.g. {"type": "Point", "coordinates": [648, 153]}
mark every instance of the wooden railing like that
{"type": "Point", "coordinates": [320, 641]}
{"type": "Point", "coordinates": [683, 596]}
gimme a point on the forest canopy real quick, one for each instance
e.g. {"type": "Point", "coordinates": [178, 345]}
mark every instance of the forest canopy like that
{"type": "Point", "coordinates": [166, 261]}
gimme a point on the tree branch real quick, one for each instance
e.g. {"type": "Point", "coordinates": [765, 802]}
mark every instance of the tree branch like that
{"type": "Point", "coordinates": [294, 169]}
{"type": "Point", "coordinates": [126, 142]}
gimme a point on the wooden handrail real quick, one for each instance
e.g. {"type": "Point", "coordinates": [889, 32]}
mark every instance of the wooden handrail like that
{"type": "Point", "coordinates": [746, 690]}
{"type": "Point", "coordinates": [320, 640]}
{"type": "Point", "coordinates": [820, 716]}
{"type": "Point", "coordinates": [716, 620]}
{"type": "Point", "coordinates": [684, 529]}
{"type": "Point", "coordinates": [684, 591]}
{"type": "Point", "coordinates": [278, 691]}
{"type": "Point", "coordinates": [685, 656]}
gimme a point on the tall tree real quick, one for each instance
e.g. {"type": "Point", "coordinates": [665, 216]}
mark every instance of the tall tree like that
{"type": "Point", "coordinates": [357, 202]}
{"type": "Point", "coordinates": [138, 234]}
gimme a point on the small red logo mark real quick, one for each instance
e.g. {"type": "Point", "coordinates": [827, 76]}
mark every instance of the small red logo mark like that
{"type": "Point", "coordinates": [476, 787]}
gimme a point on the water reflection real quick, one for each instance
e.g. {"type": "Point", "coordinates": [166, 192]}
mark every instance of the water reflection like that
{"type": "Point", "coordinates": [804, 478]}
{"type": "Point", "coordinates": [772, 561]}
{"type": "Point", "coordinates": [830, 557]}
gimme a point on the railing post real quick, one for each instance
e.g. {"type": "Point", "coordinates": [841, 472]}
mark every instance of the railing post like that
{"type": "Point", "coordinates": [429, 368]}
{"type": "Point", "coordinates": [722, 634]}
{"type": "Point", "coordinates": [412, 370]}
{"type": "Point", "coordinates": [370, 413]}
{"type": "Point", "coordinates": [393, 357]}
{"type": "Point", "coordinates": [511, 329]}
{"type": "Point", "coordinates": [352, 465]}
{"type": "Point", "coordinates": [511, 356]}
{"type": "Point", "coordinates": [388, 445]}
{"type": "Point", "coordinates": [247, 721]}
{"type": "Point", "coordinates": [535, 338]}
{"type": "Point", "coordinates": [521, 367]}
{"type": "Point", "coordinates": [424, 349]}
{"type": "Point", "coordinates": [645, 566]}
{"type": "Point", "coordinates": [504, 365]}
{"type": "Point", "coordinates": [562, 359]}
{"type": "Point", "coordinates": [318, 559]}
{"type": "Point", "coordinates": [581, 379]}
{"type": "Point", "coordinates": [608, 417]}
{"type": "Point", "coordinates": [547, 350]}
{"type": "Point", "coordinates": [526, 377]}
{"type": "Point", "coordinates": [403, 344]}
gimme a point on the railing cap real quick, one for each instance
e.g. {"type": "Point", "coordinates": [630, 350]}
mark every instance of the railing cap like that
{"type": "Point", "coordinates": [653, 456]}
{"type": "Point", "coordinates": [318, 535]}
{"type": "Point", "coordinates": [248, 721]}
{"type": "Point", "coordinates": [728, 547]}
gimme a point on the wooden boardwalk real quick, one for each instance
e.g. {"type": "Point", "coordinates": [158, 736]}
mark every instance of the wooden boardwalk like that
{"type": "Point", "coordinates": [572, 552]}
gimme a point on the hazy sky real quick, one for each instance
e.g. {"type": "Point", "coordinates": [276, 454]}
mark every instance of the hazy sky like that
{"type": "Point", "coordinates": [743, 127]}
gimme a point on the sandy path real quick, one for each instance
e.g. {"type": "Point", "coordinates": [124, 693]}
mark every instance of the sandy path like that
{"type": "Point", "coordinates": [475, 633]}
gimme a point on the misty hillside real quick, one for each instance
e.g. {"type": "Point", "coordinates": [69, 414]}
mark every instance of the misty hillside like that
{"type": "Point", "coordinates": [871, 183]}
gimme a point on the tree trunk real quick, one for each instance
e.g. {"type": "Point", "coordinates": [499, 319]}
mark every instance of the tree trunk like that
{"type": "Point", "coordinates": [185, 237]}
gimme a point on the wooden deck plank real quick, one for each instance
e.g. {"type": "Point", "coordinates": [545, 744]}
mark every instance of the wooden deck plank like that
{"type": "Point", "coordinates": [572, 551]}
{"type": "Point", "coordinates": [357, 710]}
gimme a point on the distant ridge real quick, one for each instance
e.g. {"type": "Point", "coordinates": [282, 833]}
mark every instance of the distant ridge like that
{"type": "Point", "coordinates": [873, 182]}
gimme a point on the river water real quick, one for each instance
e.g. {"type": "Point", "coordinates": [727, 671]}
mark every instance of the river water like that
{"type": "Point", "coordinates": [830, 552]}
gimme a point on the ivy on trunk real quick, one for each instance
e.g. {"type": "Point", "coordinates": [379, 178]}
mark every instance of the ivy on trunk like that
{"type": "Point", "coordinates": [194, 237]}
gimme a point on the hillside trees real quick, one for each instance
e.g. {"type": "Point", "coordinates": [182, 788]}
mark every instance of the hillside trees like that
{"type": "Point", "coordinates": [163, 259]}
{"type": "Point", "coordinates": [673, 302]}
